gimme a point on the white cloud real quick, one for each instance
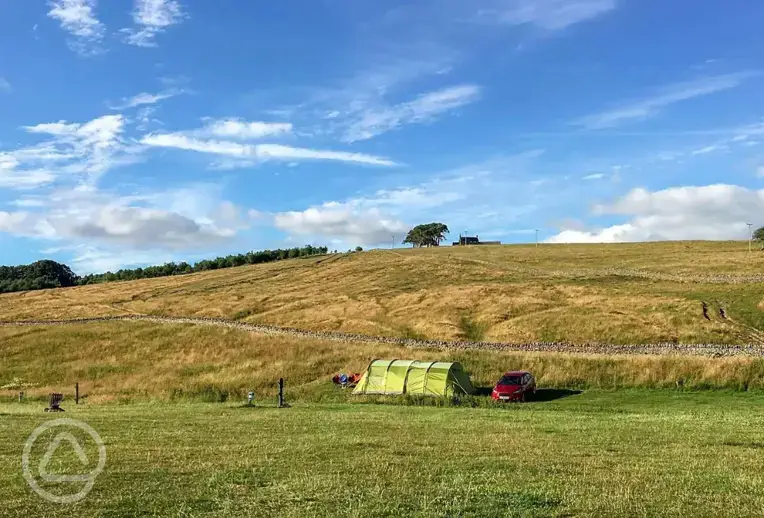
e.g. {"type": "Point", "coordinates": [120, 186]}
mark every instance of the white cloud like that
{"type": "Point", "coordinates": [344, 223]}
{"type": "Point", "coordinates": [652, 106]}
{"type": "Point", "coordinates": [374, 120]}
{"type": "Point", "coordinates": [180, 219]}
{"type": "Point", "coordinates": [594, 176]}
{"type": "Point", "coordinates": [426, 196]}
{"type": "Point", "coordinates": [548, 14]}
{"type": "Point", "coordinates": [5, 86]}
{"type": "Point", "coordinates": [279, 152]}
{"type": "Point", "coordinates": [457, 197]}
{"type": "Point", "coordinates": [243, 130]}
{"type": "Point", "coordinates": [228, 128]}
{"type": "Point", "coordinates": [11, 221]}
{"type": "Point", "coordinates": [24, 179]}
{"type": "Point", "coordinates": [77, 17]}
{"type": "Point", "coordinates": [705, 212]}
{"type": "Point", "coordinates": [145, 98]}
{"type": "Point", "coordinates": [180, 141]}
{"type": "Point", "coordinates": [152, 17]}
{"type": "Point", "coordinates": [73, 150]}
{"type": "Point", "coordinates": [709, 149]}
{"type": "Point", "coordinates": [91, 259]}
{"type": "Point", "coordinates": [261, 152]}
{"type": "Point", "coordinates": [760, 171]}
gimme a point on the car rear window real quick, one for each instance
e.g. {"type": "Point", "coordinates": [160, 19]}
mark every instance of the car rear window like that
{"type": "Point", "coordinates": [511, 380]}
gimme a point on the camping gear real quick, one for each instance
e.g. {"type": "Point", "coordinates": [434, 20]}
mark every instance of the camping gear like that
{"type": "Point", "coordinates": [55, 402]}
{"type": "Point", "coordinates": [414, 377]}
{"type": "Point", "coordinates": [346, 380]}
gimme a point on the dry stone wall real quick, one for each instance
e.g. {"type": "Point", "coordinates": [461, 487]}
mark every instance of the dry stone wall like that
{"type": "Point", "coordinates": [712, 350]}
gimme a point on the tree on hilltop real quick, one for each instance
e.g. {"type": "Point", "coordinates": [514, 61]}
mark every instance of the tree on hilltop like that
{"type": "Point", "coordinates": [429, 234]}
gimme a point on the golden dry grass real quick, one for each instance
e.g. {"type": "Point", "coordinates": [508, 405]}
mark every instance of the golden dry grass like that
{"type": "Point", "coordinates": [631, 293]}
{"type": "Point", "coordinates": [145, 360]}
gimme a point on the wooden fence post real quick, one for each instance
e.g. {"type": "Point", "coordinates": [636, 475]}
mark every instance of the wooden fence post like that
{"type": "Point", "coordinates": [77, 393]}
{"type": "Point", "coordinates": [282, 403]}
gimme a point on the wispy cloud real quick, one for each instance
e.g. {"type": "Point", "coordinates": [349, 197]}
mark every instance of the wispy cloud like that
{"type": "Point", "coordinates": [709, 149]}
{"type": "Point", "coordinates": [5, 86]}
{"type": "Point", "coordinates": [259, 152]}
{"type": "Point", "coordinates": [73, 150]}
{"type": "Point", "coordinates": [594, 176]}
{"type": "Point", "coordinates": [547, 14]}
{"type": "Point", "coordinates": [375, 100]}
{"type": "Point", "coordinates": [145, 98]}
{"type": "Point", "coordinates": [652, 106]}
{"type": "Point", "coordinates": [77, 17]}
{"type": "Point", "coordinates": [279, 152]}
{"type": "Point", "coordinates": [152, 17]}
{"type": "Point", "coordinates": [180, 141]}
{"type": "Point", "coordinates": [375, 120]}
{"type": "Point", "coordinates": [243, 130]}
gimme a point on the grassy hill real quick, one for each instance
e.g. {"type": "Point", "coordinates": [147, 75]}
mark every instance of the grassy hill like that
{"type": "Point", "coordinates": [128, 361]}
{"type": "Point", "coordinates": [599, 452]}
{"type": "Point", "coordinates": [626, 293]}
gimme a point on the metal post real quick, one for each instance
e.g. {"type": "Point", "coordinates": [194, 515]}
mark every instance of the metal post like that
{"type": "Point", "coordinates": [77, 393]}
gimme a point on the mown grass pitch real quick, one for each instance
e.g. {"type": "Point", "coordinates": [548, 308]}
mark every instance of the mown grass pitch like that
{"type": "Point", "coordinates": [599, 453]}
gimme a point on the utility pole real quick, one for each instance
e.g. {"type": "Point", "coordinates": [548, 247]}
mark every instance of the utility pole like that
{"type": "Point", "coordinates": [393, 241]}
{"type": "Point", "coordinates": [537, 237]}
{"type": "Point", "coordinates": [750, 235]}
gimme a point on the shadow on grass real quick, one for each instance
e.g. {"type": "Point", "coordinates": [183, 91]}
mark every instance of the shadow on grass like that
{"type": "Point", "coordinates": [550, 394]}
{"type": "Point", "coordinates": [754, 445]}
{"type": "Point", "coordinates": [541, 395]}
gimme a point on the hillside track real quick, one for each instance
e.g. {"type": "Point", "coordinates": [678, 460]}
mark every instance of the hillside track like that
{"type": "Point", "coordinates": [711, 350]}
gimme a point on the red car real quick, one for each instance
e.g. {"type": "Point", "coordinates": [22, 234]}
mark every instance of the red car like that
{"type": "Point", "coordinates": [514, 386]}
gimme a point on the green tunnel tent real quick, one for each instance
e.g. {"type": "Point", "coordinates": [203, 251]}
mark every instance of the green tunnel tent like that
{"type": "Point", "coordinates": [414, 377]}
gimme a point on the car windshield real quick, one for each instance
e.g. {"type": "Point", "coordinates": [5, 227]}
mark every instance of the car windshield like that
{"type": "Point", "coordinates": [511, 380]}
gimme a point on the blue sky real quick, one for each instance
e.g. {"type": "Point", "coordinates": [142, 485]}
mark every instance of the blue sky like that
{"type": "Point", "coordinates": [137, 132]}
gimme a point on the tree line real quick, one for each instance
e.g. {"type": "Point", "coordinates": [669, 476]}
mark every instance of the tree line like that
{"type": "Point", "coordinates": [50, 274]}
{"type": "Point", "coordinates": [36, 276]}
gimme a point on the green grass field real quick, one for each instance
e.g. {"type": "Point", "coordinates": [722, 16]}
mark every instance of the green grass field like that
{"type": "Point", "coordinates": [599, 453]}
{"type": "Point", "coordinates": [667, 435]}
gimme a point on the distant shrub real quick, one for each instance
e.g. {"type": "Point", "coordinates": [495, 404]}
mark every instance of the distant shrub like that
{"type": "Point", "coordinates": [471, 329]}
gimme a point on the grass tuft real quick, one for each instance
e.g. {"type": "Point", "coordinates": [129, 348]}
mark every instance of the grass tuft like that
{"type": "Point", "coordinates": [472, 330]}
